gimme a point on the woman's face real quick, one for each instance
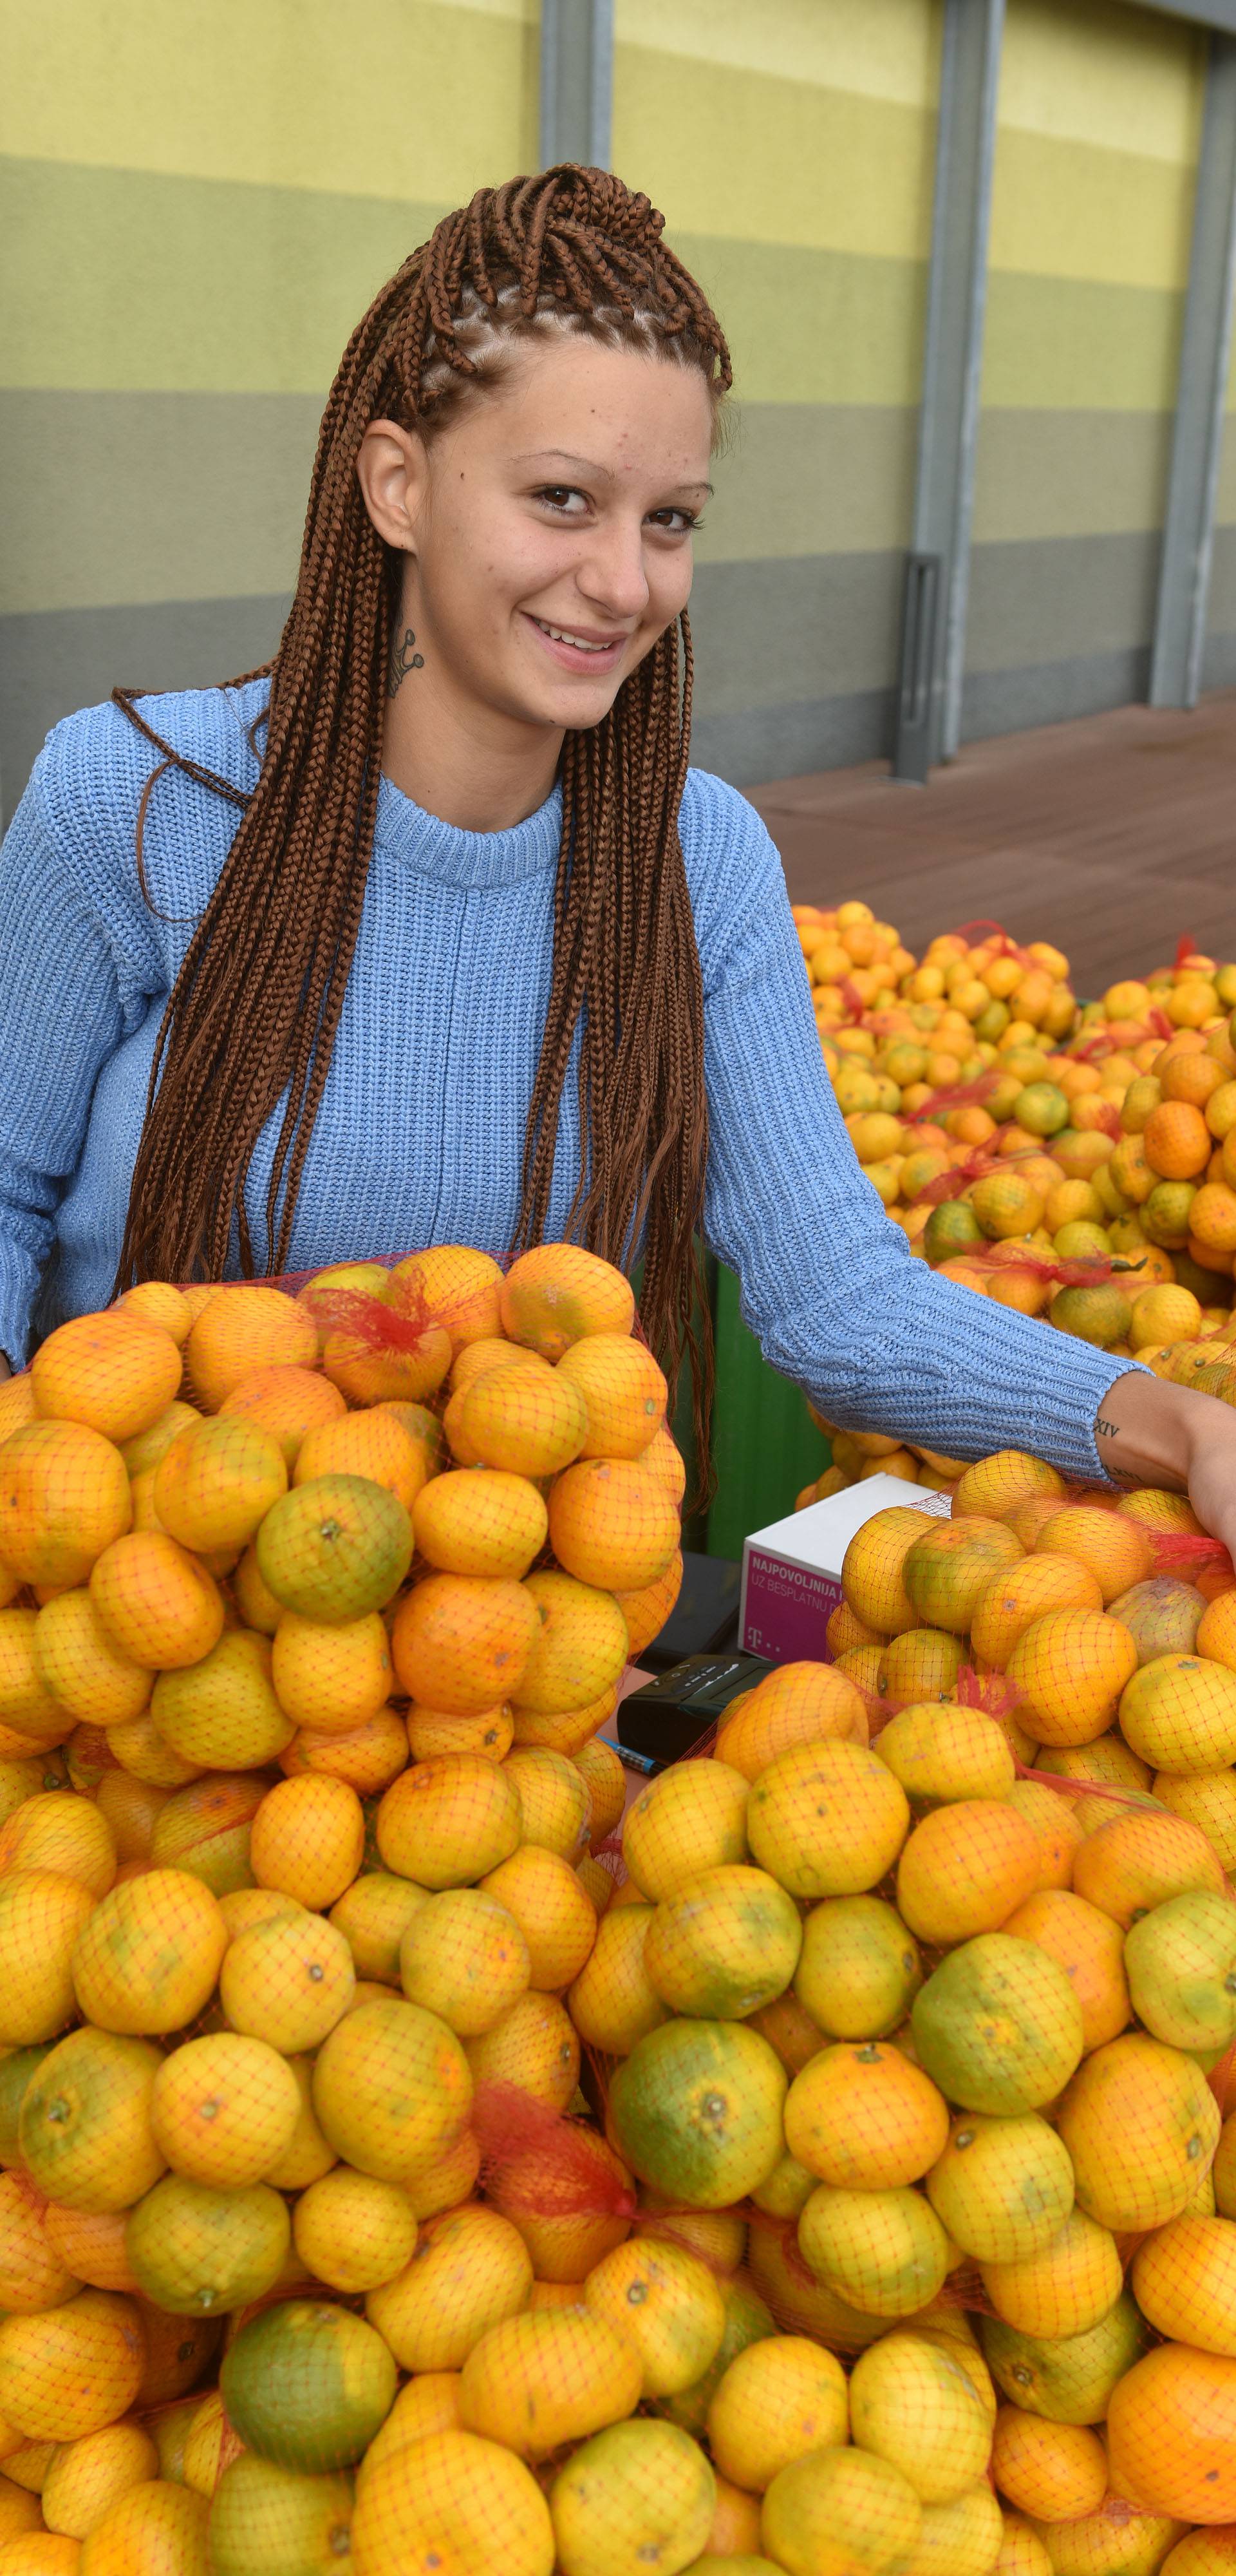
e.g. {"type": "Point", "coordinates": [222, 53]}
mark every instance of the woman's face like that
{"type": "Point", "coordinates": [548, 530]}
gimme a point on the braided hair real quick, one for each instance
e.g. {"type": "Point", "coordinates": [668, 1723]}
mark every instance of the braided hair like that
{"type": "Point", "coordinates": [571, 250]}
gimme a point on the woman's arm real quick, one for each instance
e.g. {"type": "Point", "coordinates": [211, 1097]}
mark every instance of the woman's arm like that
{"type": "Point", "coordinates": [1150, 1433]}
{"type": "Point", "coordinates": [828, 1285]}
{"type": "Point", "coordinates": [61, 1016]}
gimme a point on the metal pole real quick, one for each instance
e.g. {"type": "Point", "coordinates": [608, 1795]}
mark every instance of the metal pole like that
{"type": "Point", "coordinates": [952, 367]}
{"type": "Point", "coordinates": [1197, 439]}
{"type": "Point", "coordinates": [577, 81]}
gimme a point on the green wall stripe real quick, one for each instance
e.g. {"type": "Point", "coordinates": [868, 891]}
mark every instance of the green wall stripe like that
{"type": "Point", "coordinates": [124, 280]}
{"type": "Point", "coordinates": [1063, 344]}
{"type": "Point", "coordinates": [200, 495]}
{"type": "Point", "coordinates": [1069, 473]}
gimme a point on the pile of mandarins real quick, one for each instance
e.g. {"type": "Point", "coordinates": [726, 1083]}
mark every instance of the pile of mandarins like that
{"type": "Point", "coordinates": [889, 2233]}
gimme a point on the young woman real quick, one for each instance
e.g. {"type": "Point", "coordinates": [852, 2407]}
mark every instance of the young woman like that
{"type": "Point", "coordinates": [427, 933]}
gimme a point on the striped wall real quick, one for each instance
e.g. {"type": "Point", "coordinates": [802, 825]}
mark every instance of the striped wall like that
{"type": "Point", "coordinates": [791, 147]}
{"type": "Point", "coordinates": [1099, 121]}
{"type": "Point", "coordinates": [193, 220]}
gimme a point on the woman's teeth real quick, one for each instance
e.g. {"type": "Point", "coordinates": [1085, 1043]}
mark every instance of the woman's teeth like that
{"type": "Point", "coordinates": [559, 635]}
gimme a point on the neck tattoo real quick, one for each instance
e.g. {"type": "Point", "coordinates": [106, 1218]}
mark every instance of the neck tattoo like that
{"type": "Point", "coordinates": [402, 659]}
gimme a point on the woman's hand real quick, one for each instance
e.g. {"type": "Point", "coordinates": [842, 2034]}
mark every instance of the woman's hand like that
{"type": "Point", "coordinates": [1150, 1433]}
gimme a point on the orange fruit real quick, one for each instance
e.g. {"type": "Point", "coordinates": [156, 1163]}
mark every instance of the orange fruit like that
{"type": "Point", "coordinates": [527, 1420]}
{"type": "Point", "coordinates": [1088, 1945]}
{"type": "Point", "coordinates": [1053, 2471]}
{"type": "Point", "coordinates": [72, 2369]}
{"type": "Point", "coordinates": [41, 1916]}
{"type": "Point", "coordinates": [157, 1301]}
{"type": "Point", "coordinates": [696, 2111]}
{"type": "Point", "coordinates": [67, 1835]}
{"type": "Point", "coordinates": [391, 2089]}
{"type": "Point", "coordinates": [553, 1911]}
{"type": "Point", "coordinates": [646, 1609]}
{"type": "Point", "coordinates": [88, 2476]}
{"type": "Point", "coordinates": [470, 2269]}
{"type": "Point", "coordinates": [369, 1758]}
{"type": "Point", "coordinates": [871, 1570]}
{"type": "Point", "coordinates": [288, 1980]}
{"type": "Point", "coordinates": [1171, 2429]}
{"type": "Point", "coordinates": [217, 1482]}
{"type": "Point", "coordinates": [197, 2251]}
{"type": "Point", "coordinates": [1177, 1140]}
{"type": "Point", "coordinates": [691, 1817]}
{"type": "Point", "coordinates": [64, 1496]}
{"type": "Point", "coordinates": [308, 1840]}
{"type": "Point", "coordinates": [557, 1294]}
{"type": "Point", "coordinates": [131, 1807]}
{"type": "Point", "coordinates": [965, 1868]}
{"type": "Point", "coordinates": [330, 1679]}
{"type": "Point", "coordinates": [335, 1547]}
{"type": "Point", "coordinates": [224, 2109]}
{"type": "Point", "coordinates": [375, 1444]}
{"type": "Point", "coordinates": [458, 1289]}
{"type": "Point", "coordinates": [948, 1569]}
{"type": "Point", "coordinates": [605, 1781]}
{"type": "Point", "coordinates": [287, 1402]}
{"type": "Point", "coordinates": [1117, 1550]}
{"type": "Point", "coordinates": [611, 1524]}
{"type": "Point", "coordinates": [1138, 1861]}
{"type": "Point", "coordinates": [27, 1706]}
{"type": "Point", "coordinates": [148, 1957]}
{"type": "Point", "coordinates": [112, 1372]}
{"type": "Point", "coordinates": [613, 2001]}
{"type": "Point", "coordinates": [463, 1956]}
{"type": "Point", "coordinates": [32, 2275]}
{"type": "Point", "coordinates": [826, 1819]}
{"type": "Point", "coordinates": [578, 1650]}
{"type": "Point", "coordinates": [1184, 2280]}
{"type": "Point", "coordinates": [1022, 1593]}
{"type": "Point", "coordinates": [1062, 2289]}
{"type": "Point", "coordinates": [204, 1828]}
{"type": "Point", "coordinates": [80, 1663]}
{"type": "Point", "coordinates": [242, 1329]}
{"type": "Point", "coordinates": [90, 2244]}
{"type": "Point", "coordinates": [863, 2118]}
{"type": "Point", "coordinates": [439, 1730]}
{"type": "Point", "coordinates": [1069, 1669]}
{"type": "Point", "coordinates": [155, 1601]}
{"type": "Point", "coordinates": [463, 1643]}
{"type": "Point", "coordinates": [449, 2499]}
{"type": "Point", "coordinates": [448, 1821]}
{"type": "Point", "coordinates": [796, 1704]}
{"type": "Point", "coordinates": [663, 1459]}
{"type": "Point", "coordinates": [997, 2025]}
{"type": "Point", "coordinates": [222, 1713]}
{"type": "Point", "coordinates": [1141, 2126]}
{"type": "Point", "coordinates": [533, 2047]}
{"type": "Point", "coordinates": [536, 2381]}
{"type": "Point", "coordinates": [624, 1392]}
{"type": "Point", "coordinates": [408, 1364]}
{"type": "Point", "coordinates": [480, 1521]}
{"type": "Point", "coordinates": [1179, 1713]}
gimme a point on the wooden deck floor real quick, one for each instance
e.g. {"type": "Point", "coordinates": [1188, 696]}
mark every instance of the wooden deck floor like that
{"type": "Point", "coordinates": [1112, 837]}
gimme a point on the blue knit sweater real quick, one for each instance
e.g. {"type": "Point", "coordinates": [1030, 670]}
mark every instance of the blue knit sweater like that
{"type": "Point", "coordinates": [419, 1136]}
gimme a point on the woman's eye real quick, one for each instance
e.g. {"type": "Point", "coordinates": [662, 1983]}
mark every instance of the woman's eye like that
{"type": "Point", "coordinates": [677, 523]}
{"type": "Point", "coordinates": [559, 497]}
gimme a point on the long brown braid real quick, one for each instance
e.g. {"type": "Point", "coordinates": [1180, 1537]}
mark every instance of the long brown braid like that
{"type": "Point", "coordinates": [570, 249]}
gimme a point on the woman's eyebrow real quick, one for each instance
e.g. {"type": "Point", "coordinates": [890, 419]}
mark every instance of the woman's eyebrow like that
{"type": "Point", "coordinates": [602, 473]}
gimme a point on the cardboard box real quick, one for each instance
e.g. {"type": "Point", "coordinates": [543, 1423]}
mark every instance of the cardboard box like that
{"type": "Point", "coordinates": [791, 1571]}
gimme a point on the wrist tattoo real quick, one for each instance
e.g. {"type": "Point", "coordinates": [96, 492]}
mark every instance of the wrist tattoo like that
{"type": "Point", "coordinates": [1107, 1430]}
{"type": "Point", "coordinates": [401, 660]}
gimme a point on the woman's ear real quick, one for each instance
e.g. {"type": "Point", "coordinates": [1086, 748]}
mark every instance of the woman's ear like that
{"type": "Point", "coordinates": [392, 470]}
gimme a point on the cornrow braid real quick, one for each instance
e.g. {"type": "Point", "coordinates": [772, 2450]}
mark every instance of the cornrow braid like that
{"type": "Point", "coordinates": [571, 249]}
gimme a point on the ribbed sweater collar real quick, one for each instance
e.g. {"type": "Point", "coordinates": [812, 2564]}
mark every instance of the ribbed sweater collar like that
{"type": "Point", "coordinates": [463, 859]}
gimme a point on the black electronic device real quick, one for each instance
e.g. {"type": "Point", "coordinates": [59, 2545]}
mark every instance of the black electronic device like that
{"type": "Point", "coordinates": [704, 1619]}
{"type": "Point", "coordinates": [658, 1724]}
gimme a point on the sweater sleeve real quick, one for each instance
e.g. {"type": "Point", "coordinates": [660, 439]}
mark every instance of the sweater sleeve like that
{"type": "Point", "coordinates": [827, 1284]}
{"type": "Point", "coordinates": [61, 1016]}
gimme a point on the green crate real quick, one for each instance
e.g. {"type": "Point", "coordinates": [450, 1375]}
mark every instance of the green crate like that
{"type": "Point", "coordinates": [765, 1444]}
